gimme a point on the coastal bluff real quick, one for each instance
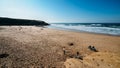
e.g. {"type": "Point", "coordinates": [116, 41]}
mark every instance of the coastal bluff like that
{"type": "Point", "coordinates": [11, 21]}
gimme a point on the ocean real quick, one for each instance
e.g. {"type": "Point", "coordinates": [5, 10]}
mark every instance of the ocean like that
{"type": "Point", "coordinates": [101, 28]}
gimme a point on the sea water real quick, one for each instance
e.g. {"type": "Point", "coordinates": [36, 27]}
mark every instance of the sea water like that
{"type": "Point", "coordinates": [103, 28]}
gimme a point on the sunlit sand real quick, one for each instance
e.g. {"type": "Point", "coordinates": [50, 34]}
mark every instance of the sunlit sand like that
{"type": "Point", "coordinates": [32, 47]}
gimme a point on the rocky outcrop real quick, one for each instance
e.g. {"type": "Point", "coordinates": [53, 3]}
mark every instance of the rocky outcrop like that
{"type": "Point", "coordinates": [11, 21]}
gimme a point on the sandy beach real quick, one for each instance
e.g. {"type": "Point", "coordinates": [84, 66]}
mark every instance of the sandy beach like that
{"type": "Point", "coordinates": [38, 47]}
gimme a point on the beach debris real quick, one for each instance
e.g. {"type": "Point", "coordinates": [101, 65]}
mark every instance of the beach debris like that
{"type": "Point", "coordinates": [77, 53]}
{"type": "Point", "coordinates": [92, 48]}
{"type": "Point", "coordinates": [68, 53]}
{"type": "Point", "coordinates": [4, 55]}
{"type": "Point", "coordinates": [71, 44]}
{"type": "Point", "coordinates": [78, 56]}
{"type": "Point", "coordinates": [64, 51]}
{"type": "Point", "coordinates": [71, 56]}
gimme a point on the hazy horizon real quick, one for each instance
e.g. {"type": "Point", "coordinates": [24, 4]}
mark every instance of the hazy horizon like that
{"type": "Point", "coordinates": [63, 11]}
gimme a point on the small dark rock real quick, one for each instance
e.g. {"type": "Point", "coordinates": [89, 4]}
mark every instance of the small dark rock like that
{"type": "Point", "coordinates": [71, 44]}
{"type": "Point", "coordinates": [77, 53]}
{"type": "Point", "coordinates": [4, 55]}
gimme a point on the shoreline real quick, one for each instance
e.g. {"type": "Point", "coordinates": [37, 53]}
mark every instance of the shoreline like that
{"type": "Point", "coordinates": [78, 31]}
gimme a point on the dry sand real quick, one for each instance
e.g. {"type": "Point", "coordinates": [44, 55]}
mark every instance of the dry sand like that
{"type": "Point", "coordinates": [37, 47]}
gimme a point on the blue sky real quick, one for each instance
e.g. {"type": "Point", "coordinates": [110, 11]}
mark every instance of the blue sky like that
{"type": "Point", "coordinates": [63, 10]}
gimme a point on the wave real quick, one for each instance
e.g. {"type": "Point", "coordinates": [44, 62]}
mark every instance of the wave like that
{"type": "Point", "coordinates": [111, 29]}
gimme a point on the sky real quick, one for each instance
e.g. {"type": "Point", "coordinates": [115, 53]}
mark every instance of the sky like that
{"type": "Point", "coordinates": [59, 11]}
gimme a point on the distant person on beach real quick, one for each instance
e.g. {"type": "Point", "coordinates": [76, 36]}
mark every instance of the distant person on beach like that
{"type": "Point", "coordinates": [92, 48]}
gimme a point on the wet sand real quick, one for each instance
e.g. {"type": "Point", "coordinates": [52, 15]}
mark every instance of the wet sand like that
{"type": "Point", "coordinates": [38, 47]}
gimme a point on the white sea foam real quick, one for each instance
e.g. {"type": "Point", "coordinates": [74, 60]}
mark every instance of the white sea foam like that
{"type": "Point", "coordinates": [96, 28]}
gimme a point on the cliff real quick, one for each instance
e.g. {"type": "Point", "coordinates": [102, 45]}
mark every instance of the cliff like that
{"type": "Point", "coordinates": [11, 21]}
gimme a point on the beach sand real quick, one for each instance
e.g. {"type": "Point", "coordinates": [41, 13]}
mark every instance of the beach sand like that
{"type": "Point", "coordinates": [38, 47]}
